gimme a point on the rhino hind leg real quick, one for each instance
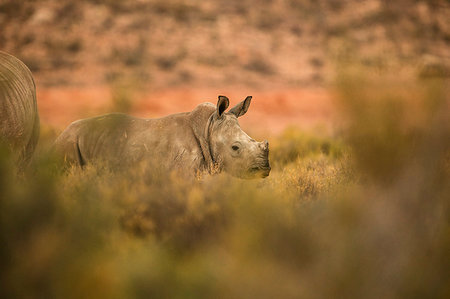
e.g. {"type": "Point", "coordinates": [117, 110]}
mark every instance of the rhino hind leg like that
{"type": "Point", "coordinates": [79, 156]}
{"type": "Point", "coordinates": [67, 150]}
{"type": "Point", "coordinates": [71, 154]}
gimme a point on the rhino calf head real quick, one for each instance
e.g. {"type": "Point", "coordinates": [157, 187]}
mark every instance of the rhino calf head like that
{"type": "Point", "coordinates": [235, 151]}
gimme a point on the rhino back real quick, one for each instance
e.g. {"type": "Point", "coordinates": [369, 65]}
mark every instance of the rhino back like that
{"type": "Point", "coordinates": [19, 119]}
{"type": "Point", "coordinates": [170, 141]}
{"type": "Point", "coordinates": [98, 138]}
{"type": "Point", "coordinates": [177, 140]}
{"type": "Point", "coordinates": [119, 139]}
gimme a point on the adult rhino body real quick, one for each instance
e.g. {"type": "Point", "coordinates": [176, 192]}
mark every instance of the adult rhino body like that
{"type": "Point", "coordinates": [19, 118]}
{"type": "Point", "coordinates": [207, 139]}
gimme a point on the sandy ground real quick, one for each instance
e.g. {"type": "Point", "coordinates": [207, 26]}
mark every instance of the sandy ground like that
{"type": "Point", "coordinates": [271, 111]}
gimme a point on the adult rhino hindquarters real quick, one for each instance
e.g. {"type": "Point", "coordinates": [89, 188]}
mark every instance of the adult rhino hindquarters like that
{"type": "Point", "coordinates": [19, 118]}
{"type": "Point", "coordinates": [207, 139]}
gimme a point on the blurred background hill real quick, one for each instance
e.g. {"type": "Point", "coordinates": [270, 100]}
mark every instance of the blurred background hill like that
{"type": "Point", "coordinates": [93, 56]}
{"type": "Point", "coordinates": [255, 43]}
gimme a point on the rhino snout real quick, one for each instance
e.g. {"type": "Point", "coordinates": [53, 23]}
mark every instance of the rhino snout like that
{"type": "Point", "coordinates": [261, 164]}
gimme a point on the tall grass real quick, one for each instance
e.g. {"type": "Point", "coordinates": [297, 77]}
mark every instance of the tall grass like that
{"type": "Point", "coordinates": [365, 215]}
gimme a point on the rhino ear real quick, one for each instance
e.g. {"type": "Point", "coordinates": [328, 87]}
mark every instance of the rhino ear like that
{"type": "Point", "coordinates": [222, 105]}
{"type": "Point", "coordinates": [241, 108]}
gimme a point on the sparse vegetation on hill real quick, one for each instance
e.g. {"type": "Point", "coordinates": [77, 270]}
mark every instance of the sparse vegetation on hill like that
{"type": "Point", "coordinates": [217, 43]}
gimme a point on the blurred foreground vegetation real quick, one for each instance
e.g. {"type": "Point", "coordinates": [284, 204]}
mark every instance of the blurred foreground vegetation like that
{"type": "Point", "coordinates": [364, 214]}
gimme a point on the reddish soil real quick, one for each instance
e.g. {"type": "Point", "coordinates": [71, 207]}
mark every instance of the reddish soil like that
{"type": "Point", "coordinates": [271, 111]}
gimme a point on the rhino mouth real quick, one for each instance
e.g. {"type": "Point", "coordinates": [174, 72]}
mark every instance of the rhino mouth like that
{"type": "Point", "coordinates": [263, 171]}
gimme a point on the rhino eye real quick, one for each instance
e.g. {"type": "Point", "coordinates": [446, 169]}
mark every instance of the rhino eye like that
{"type": "Point", "coordinates": [235, 147]}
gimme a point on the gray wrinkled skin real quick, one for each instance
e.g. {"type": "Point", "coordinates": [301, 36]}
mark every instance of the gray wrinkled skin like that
{"type": "Point", "coordinates": [19, 118]}
{"type": "Point", "coordinates": [207, 139]}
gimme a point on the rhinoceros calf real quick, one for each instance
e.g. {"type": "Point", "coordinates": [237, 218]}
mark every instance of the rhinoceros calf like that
{"type": "Point", "coordinates": [19, 118]}
{"type": "Point", "coordinates": [207, 139]}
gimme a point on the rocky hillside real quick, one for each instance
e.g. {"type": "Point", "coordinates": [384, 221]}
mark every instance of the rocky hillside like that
{"type": "Point", "coordinates": [258, 43]}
